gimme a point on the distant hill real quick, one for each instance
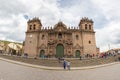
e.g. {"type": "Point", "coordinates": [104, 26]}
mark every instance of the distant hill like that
{"type": "Point", "coordinates": [7, 42]}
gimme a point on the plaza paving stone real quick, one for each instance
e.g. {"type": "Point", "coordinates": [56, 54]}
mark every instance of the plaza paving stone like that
{"type": "Point", "coordinates": [10, 71]}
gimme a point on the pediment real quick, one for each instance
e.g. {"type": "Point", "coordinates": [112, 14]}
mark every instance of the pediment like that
{"type": "Point", "coordinates": [77, 46]}
{"type": "Point", "coordinates": [43, 46]}
{"type": "Point", "coordinates": [60, 26]}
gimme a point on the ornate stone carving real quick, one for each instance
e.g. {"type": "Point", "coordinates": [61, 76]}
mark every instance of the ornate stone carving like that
{"type": "Point", "coordinates": [68, 42]}
{"type": "Point", "coordinates": [51, 42]}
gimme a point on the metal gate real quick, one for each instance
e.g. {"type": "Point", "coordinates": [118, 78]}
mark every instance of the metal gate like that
{"type": "Point", "coordinates": [77, 54]}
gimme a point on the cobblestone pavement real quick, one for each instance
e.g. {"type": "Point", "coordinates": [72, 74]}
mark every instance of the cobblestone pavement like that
{"type": "Point", "coordinates": [10, 71]}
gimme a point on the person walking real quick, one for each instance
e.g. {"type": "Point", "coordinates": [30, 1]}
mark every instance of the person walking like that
{"type": "Point", "coordinates": [68, 65]}
{"type": "Point", "coordinates": [64, 64]}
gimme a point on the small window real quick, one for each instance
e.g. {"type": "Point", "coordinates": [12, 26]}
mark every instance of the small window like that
{"type": "Point", "coordinates": [77, 37]}
{"type": "Point", "coordinates": [30, 41]}
{"type": "Point", "coordinates": [85, 26]}
{"type": "Point", "coordinates": [89, 42]}
{"type": "Point", "coordinates": [69, 51]}
{"type": "Point", "coordinates": [59, 35]}
{"type": "Point", "coordinates": [90, 27]}
{"type": "Point", "coordinates": [43, 36]}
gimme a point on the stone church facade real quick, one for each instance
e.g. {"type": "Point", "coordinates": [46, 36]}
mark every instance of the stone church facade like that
{"type": "Point", "coordinates": [60, 41]}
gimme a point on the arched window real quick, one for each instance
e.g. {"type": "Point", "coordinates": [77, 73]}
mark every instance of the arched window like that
{"type": "Point", "coordinates": [90, 27]}
{"type": "Point", "coordinates": [34, 26]}
{"type": "Point", "coordinates": [30, 27]}
{"type": "Point", "coordinates": [85, 26]}
{"type": "Point", "coordinates": [59, 35]}
{"type": "Point", "coordinates": [43, 36]}
{"type": "Point", "coordinates": [77, 37]}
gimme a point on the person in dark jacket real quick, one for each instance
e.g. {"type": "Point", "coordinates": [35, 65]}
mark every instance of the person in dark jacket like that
{"type": "Point", "coordinates": [64, 64]}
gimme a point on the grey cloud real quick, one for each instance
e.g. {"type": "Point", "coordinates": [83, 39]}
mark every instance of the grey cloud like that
{"type": "Point", "coordinates": [15, 23]}
{"type": "Point", "coordinates": [9, 8]}
{"type": "Point", "coordinates": [117, 38]}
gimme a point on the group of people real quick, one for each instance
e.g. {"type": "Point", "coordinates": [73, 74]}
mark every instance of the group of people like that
{"type": "Point", "coordinates": [66, 64]}
{"type": "Point", "coordinates": [107, 54]}
{"type": "Point", "coordinates": [101, 55]}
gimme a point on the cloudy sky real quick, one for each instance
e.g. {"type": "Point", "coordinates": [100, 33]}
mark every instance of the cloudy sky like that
{"type": "Point", "coordinates": [105, 14]}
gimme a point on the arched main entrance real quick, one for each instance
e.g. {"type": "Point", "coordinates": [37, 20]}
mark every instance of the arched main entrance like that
{"type": "Point", "coordinates": [42, 54]}
{"type": "Point", "coordinates": [60, 51]}
{"type": "Point", "coordinates": [77, 53]}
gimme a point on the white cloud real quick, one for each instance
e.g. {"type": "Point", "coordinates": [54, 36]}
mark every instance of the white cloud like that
{"type": "Point", "coordinates": [110, 8]}
{"type": "Point", "coordinates": [12, 22]}
{"type": "Point", "coordinates": [109, 34]}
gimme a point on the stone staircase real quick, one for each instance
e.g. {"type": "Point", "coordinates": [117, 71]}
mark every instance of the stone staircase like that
{"type": "Point", "coordinates": [55, 63]}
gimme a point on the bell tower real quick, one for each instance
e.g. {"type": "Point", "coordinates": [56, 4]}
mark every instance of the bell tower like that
{"type": "Point", "coordinates": [87, 35]}
{"type": "Point", "coordinates": [34, 25]}
{"type": "Point", "coordinates": [86, 24]}
{"type": "Point", "coordinates": [32, 37]}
